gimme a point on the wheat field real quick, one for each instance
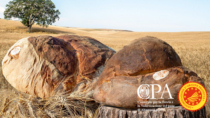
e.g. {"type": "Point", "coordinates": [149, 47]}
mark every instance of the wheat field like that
{"type": "Point", "coordinates": [192, 47]}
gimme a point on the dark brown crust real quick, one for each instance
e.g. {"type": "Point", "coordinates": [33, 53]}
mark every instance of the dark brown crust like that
{"type": "Point", "coordinates": [64, 52]}
{"type": "Point", "coordinates": [55, 52]}
{"type": "Point", "coordinates": [46, 75]}
{"type": "Point", "coordinates": [144, 55]}
{"type": "Point", "coordinates": [91, 54]}
{"type": "Point", "coordinates": [121, 91]}
{"type": "Point", "coordinates": [134, 65]}
{"type": "Point", "coordinates": [48, 66]}
{"type": "Point", "coordinates": [63, 57]}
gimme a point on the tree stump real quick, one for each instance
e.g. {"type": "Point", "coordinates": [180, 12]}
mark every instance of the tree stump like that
{"type": "Point", "coordinates": [175, 112]}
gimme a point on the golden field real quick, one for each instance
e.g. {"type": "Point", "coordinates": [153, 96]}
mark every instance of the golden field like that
{"type": "Point", "coordinates": [192, 47]}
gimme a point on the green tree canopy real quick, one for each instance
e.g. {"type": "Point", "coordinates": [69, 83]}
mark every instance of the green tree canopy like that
{"type": "Point", "coordinates": [42, 12]}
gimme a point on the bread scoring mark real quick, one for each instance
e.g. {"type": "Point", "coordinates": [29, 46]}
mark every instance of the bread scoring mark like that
{"type": "Point", "coordinates": [160, 74]}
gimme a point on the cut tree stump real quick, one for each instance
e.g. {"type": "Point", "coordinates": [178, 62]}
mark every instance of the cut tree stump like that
{"type": "Point", "coordinates": [175, 112]}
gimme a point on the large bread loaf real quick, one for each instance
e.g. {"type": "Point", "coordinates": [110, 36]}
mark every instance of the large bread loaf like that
{"type": "Point", "coordinates": [44, 66]}
{"type": "Point", "coordinates": [149, 62]}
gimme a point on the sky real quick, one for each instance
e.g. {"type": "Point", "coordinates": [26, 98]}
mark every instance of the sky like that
{"type": "Point", "coordinates": [134, 15]}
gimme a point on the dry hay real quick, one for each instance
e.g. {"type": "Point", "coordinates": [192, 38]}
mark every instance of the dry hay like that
{"type": "Point", "coordinates": [17, 104]}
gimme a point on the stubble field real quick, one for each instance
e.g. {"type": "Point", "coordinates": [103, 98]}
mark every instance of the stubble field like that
{"type": "Point", "coordinates": [192, 47]}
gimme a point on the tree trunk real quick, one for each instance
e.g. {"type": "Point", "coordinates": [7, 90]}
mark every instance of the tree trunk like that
{"type": "Point", "coordinates": [175, 112]}
{"type": "Point", "coordinates": [29, 29]}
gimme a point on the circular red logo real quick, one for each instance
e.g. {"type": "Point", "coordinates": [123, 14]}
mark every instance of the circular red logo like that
{"type": "Point", "coordinates": [192, 96]}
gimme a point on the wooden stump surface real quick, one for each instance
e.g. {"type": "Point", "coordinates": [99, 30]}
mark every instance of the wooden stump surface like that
{"type": "Point", "coordinates": [175, 112]}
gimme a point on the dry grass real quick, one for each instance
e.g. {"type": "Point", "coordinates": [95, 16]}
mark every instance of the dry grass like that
{"type": "Point", "coordinates": [17, 105]}
{"type": "Point", "coordinates": [192, 47]}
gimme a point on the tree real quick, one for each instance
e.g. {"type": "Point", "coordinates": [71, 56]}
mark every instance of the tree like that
{"type": "Point", "coordinates": [41, 12]}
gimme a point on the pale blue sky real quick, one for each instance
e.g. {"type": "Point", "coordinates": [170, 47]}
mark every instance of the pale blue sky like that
{"type": "Point", "coordinates": [135, 15]}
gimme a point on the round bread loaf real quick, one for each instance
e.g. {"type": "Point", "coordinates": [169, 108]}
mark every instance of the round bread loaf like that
{"type": "Point", "coordinates": [144, 55]}
{"type": "Point", "coordinates": [146, 61]}
{"type": "Point", "coordinates": [44, 66]}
